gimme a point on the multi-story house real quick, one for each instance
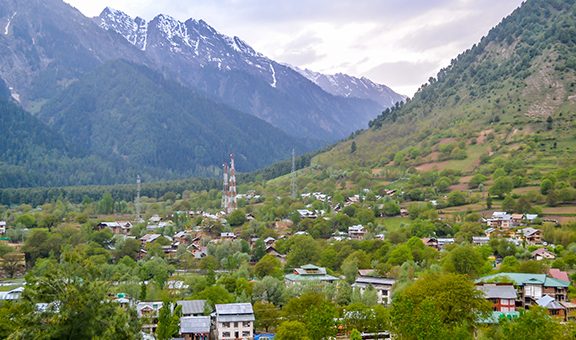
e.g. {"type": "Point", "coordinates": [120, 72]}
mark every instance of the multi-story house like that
{"type": "Point", "coordinates": [234, 321]}
{"type": "Point", "coordinates": [531, 287]}
{"type": "Point", "coordinates": [383, 287]}
{"type": "Point", "coordinates": [502, 296]}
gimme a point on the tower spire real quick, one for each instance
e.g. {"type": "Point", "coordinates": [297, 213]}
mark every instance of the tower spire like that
{"type": "Point", "coordinates": [232, 204]}
{"type": "Point", "coordinates": [225, 188]}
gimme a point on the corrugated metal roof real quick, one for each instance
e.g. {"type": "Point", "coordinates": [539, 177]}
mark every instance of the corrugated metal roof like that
{"type": "Point", "coordinates": [375, 280]}
{"type": "Point", "coordinates": [192, 306]}
{"type": "Point", "coordinates": [521, 279]}
{"type": "Point", "coordinates": [499, 292]}
{"type": "Point", "coordinates": [234, 308]}
{"type": "Point", "coordinates": [235, 318]}
{"type": "Point", "coordinates": [194, 324]}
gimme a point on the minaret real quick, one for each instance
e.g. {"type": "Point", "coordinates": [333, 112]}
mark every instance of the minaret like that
{"type": "Point", "coordinates": [232, 186]}
{"type": "Point", "coordinates": [225, 188]}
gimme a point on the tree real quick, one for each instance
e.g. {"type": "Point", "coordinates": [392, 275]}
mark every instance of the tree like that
{"type": "Point", "coordinates": [456, 198]}
{"type": "Point", "coordinates": [489, 202]}
{"type": "Point", "coordinates": [269, 289]}
{"type": "Point", "coordinates": [77, 303]}
{"type": "Point", "coordinates": [534, 323]}
{"type": "Point", "coordinates": [168, 320]}
{"type": "Point", "coordinates": [464, 259]}
{"type": "Point", "coordinates": [355, 335]}
{"type": "Point", "coordinates": [437, 304]}
{"type": "Point", "coordinates": [303, 251]}
{"type": "Point", "coordinates": [268, 266]}
{"type": "Point", "coordinates": [266, 314]}
{"type": "Point", "coordinates": [353, 147]}
{"type": "Point", "coordinates": [236, 218]}
{"type": "Point", "coordinates": [106, 204]}
{"type": "Point", "coordinates": [215, 295]}
{"type": "Point", "coordinates": [546, 186]}
{"type": "Point", "coordinates": [502, 186]}
{"type": "Point", "coordinates": [12, 264]}
{"type": "Point", "coordinates": [292, 330]}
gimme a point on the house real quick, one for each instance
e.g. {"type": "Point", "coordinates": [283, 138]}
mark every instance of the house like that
{"type": "Point", "coordinates": [305, 213]}
{"type": "Point", "coordinates": [558, 274]}
{"type": "Point", "coordinates": [195, 327]}
{"type": "Point", "coordinates": [430, 242]}
{"type": "Point", "coordinates": [488, 232]}
{"type": "Point", "coordinates": [443, 242]}
{"type": "Point", "coordinates": [570, 308]}
{"type": "Point", "coordinates": [234, 321]}
{"type": "Point", "coordinates": [151, 238]}
{"type": "Point", "coordinates": [192, 307]}
{"type": "Point", "coordinates": [155, 219]}
{"type": "Point", "coordinates": [404, 212]}
{"type": "Point", "coordinates": [500, 219]}
{"type": "Point", "coordinates": [13, 294]}
{"type": "Point", "coordinates": [2, 227]}
{"type": "Point", "coordinates": [309, 273]}
{"type": "Point", "coordinates": [227, 236]}
{"type": "Point", "coordinates": [530, 218]}
{"type": "Point", "coordinates": [183, 237]}
{"type": "Point", "coordinates": [117, 228]}
{"type": "Point", "coordinates": [480, 240]}
{"type": "Point", "coordinates": [517, 219]}
{"type": "Point", "coordinates": [356, 232]}
{"type": "Point", "coordinates": [148, 312]}
{"type": "Point", "coordinates": [555, 309]}
{"type": "Point", "coordinates": [383, 287]}
{"type": "Point", "coordinates": [502, 296]}
{"type": "Point", "coordinates": [269, 241]}
{"type": "Point", "coordinates": [531, 287]}
{"type": "Point", "coordinates": [272, 251]}
{"type": "Point", "coordinates": [542, 254]}
{"type": "Point", "coordinates": [530, 235]}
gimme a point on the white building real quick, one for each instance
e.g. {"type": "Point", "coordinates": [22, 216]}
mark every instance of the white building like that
{"type": "Point", "coordinates": [383, 287]}
{"type": "Point", "coordinates": [234, 321]}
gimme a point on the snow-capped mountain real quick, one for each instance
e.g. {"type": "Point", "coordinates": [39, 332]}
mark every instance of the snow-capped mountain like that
{"type": "Point", "coordinates": [344, 85]}
{"type": "Point", "coordinates": [228, 69]}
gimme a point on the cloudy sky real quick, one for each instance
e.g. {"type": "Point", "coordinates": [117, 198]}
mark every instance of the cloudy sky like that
{"type": "Point", "coordinates": [400, 43]}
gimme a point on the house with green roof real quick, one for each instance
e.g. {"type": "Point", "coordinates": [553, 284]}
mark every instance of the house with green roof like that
{"type": "Point", "coordinates": [309, 273]}
{"type": "Point", "coordinates": [531, 287]}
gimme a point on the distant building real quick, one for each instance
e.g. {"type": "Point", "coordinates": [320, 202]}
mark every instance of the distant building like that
{"type": "Point", "coordinates": [195, 327]}
{"type": "Point", "coordinates": [356, 232]}
{"type": "Point", "coordinates": [531, 287]}
{"type": "Point", "coordinates": [234, 321]}
{"type": "Point", "coordinates": [118, 228]}
{"type": "Point", "coordinates": [531, 236]}
{"type": "Point", "coordinates": [309, 273]}
{"type": "Point", "coordinates": [2, 227]}
{"type": "Point", "coordinates": [192, 307]}
{"type": "Point", "coordinates": [542, 254]}
{"type": "Point", "coordinates": [502, 296]}
{"type": "Point", "coordinates": [383, 287]}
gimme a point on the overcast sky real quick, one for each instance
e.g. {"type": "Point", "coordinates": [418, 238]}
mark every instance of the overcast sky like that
{"type": "Point", "coordinates": [400, 43]}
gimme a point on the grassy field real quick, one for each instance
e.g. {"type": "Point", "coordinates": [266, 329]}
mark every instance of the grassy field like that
{"type": "Point", "coordinates": [393, 223]}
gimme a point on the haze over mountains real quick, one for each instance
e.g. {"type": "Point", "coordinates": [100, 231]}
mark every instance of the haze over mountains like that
{"type": "Point", "coordinates": [164, 98]}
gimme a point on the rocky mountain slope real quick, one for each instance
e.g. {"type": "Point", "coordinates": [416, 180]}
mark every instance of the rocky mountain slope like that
{"type": "Point", "coordinates": [343, 85]}
{"type": "Point", "coordinates": [229, 70]}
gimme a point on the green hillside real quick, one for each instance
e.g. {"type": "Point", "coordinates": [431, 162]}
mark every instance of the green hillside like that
{"type": "Point", "coordinates": [512, 96]}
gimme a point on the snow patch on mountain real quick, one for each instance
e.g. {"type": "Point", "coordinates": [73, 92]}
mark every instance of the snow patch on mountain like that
{"type": "Point", "coordinates": [344, 85]}
{"type": "Point", "coordinates": [7, 28]}
{"type": "Point", "coordinates": [134, 30]}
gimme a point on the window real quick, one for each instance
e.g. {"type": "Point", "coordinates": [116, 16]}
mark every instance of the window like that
{"type": "Point", "coordinates": [235, 324]}
{"type": "Point", "coordinates": [226, 324]}
{"type": "Point", "coordinates": [226, 334]}
{"type": "Point", "coordinates": [245, 334]}
{"type": "Point", "coordinates": [246, 324]}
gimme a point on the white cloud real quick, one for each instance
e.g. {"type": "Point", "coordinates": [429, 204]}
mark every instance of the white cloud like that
{"type": "Point", "coordinates": [396, 42]}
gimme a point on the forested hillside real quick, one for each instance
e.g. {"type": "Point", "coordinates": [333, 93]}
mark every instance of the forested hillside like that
{"type": "Point", "coordinates": [125, 112]}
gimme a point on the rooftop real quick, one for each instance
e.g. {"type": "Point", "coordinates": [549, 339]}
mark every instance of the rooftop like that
{"type": "Point", "coordinates": [194, 324]}
{"type": "Point", "coordinates": [492, 291]}
{"type": "Point", "coordinates": [520, 279]}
